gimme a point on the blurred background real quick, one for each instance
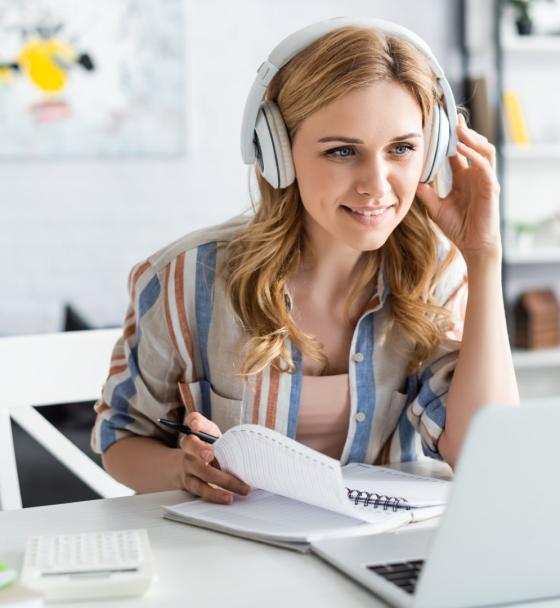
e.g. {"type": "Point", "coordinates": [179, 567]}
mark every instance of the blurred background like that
{"type": "Point", "coordinates": [119, 133]}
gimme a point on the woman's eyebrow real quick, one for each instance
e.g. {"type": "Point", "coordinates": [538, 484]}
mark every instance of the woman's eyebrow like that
{"type": "Point", "coordinates": [353, 140]}
{"type": "Point", "coordinates": [406, 136]}
{"type": "Point", "coordinates": [348, 140]}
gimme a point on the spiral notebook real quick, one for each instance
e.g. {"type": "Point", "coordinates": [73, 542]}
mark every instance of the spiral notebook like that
{"type": "Point", "coordinates": [300, 495]}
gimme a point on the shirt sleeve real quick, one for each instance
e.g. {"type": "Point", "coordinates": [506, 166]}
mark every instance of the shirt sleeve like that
{"type": "Point", "coordinates": [145, 368]}
{"type": "Point", "coordinates": [427, 411]}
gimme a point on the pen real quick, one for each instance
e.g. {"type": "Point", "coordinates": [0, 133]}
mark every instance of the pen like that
{"type": "Point", "coordinates": [187, 431]}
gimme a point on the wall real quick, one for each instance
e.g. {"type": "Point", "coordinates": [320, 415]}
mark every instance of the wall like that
{"type": "Point", "coordinates": [70, 231]}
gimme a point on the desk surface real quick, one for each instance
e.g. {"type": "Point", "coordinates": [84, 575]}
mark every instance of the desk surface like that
{"type": "Point", "coordinates": [202, 566]}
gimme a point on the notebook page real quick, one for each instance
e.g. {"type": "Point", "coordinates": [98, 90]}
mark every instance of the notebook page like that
{"type": "Point", "coordinates": [271, 461]}
{"type": "Point", "coordinates": [418, 490]}
{"type": "Point", "coordinates": [272, 516]}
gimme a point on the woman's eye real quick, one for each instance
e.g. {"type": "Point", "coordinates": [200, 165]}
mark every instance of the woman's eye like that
{"type": "Point", "coordinates": [342, 152]}
{"type": "Point", "coordinates": [403, 149]}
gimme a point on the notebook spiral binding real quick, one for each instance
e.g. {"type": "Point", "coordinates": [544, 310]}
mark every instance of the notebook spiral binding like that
{"type": "Point", "coordinates": [377, 500]}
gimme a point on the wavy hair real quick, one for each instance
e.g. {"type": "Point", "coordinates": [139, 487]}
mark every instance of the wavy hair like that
{"type": "Point", "coordinates": [264, 254]}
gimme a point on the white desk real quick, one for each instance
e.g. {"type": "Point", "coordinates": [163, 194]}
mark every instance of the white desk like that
{"type": "Point", "coordinates": [198, 567]}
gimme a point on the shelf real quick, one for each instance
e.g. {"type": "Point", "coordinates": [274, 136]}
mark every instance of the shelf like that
{"type": "Point", "coordinates": [533, 359]}
{"type": "Point", "coordinates": [531, 44]}
{"type": "Point", "coordinates": [532, 151]}
{"type": "Point", "coordinates": [550, 255]}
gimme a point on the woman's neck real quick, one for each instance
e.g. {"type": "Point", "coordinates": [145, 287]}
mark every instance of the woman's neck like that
{"type": "Point", "coordinates": [329, 267]}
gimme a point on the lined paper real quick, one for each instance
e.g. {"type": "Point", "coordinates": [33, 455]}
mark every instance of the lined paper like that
{"type": "Point", "coordinates": [299, 495]}
{"type": "Point", "coordinates": [268, 460]}
{"type": "Point", "coordinates": [273, 462]}
{"type": "Point", "coordinates": [271, 516]}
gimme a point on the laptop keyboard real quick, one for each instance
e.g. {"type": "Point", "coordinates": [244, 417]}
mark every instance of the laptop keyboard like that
{"type": "Point", "coordinates": [402, 574]}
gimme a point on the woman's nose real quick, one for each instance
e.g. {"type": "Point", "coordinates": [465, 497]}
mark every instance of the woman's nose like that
{"type": "Point", "coordinates": [373, 181]}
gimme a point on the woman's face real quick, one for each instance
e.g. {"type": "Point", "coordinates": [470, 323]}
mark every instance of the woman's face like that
{"type": "Point", "coordinates": [358, 162]}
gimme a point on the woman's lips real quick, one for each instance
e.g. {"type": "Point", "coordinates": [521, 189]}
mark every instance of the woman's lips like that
{"type": "Point", "coordinates": [369, 216]}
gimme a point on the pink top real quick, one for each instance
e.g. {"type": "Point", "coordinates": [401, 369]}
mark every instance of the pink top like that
{"type": "Point", "coordinates": [323, 413]}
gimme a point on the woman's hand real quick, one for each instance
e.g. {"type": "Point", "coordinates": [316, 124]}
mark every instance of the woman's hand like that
{"type": "Point", "coordinates": [469, 214]}
{"type": "Point", "coordinates": [201, 472]}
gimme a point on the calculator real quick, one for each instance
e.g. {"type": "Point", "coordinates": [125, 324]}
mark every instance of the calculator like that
{"type": "Point", "coordinates": [88, 565]}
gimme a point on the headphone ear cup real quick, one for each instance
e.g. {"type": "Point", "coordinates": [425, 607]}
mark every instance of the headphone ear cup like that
{"type": "Point", "coordinates": [436, 136]}
{"type": "Point", "coordinates": [273, 147]}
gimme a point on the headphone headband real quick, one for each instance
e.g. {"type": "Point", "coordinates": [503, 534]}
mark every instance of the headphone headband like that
{"type": "Point", "coordinates": [296, 42]}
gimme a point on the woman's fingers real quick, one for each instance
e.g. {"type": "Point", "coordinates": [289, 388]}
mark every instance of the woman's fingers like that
{"type": "Point", "coordinates": [200, 479]}
{"type": "Point", "coordinates": [227, 481]}
{"type": "Point", "coordinates": [199, 476]}
{"type": "Point", "coordinates": [477, 141]}
{"type": "Point", "coordinates": [458, 162]}
{"type": "Point", "coordinates": [192, 445]}
{"type": "Point", "coordinates": [196, 486]}
{"type": "Point", "coordinates": [197, 422]}
{"type": "Point", "coordinates": [476, 158]}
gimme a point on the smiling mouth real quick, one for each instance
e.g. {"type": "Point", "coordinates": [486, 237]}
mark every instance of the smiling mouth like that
{"type": "Point", "coordinates": [368, 212]}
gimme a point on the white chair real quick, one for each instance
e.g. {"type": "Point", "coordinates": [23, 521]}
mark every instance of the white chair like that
{"type": "Point", "coordinates": [44, 370]}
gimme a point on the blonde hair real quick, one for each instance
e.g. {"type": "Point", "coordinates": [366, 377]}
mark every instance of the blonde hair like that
{"type": "Point", "coordinates": [262, 257]}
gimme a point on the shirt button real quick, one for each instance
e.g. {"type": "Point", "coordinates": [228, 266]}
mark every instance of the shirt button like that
{"type": "Point", "coordinates": [360, 416]}
{"type": "Point", "coordinates": [357, 357]}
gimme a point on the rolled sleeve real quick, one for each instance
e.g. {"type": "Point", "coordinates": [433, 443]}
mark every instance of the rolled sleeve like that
{"type": "Point", "coordinates": [427, 411]}
{"type": "Point", "coordinates": [142, 384]}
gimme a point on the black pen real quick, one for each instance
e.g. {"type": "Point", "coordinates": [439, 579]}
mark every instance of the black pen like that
{"type": "Point", "coordinates": [185, 429]}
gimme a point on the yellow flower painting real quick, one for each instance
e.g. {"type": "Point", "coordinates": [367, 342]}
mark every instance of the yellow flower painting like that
{"type": "Point", "coordinates": [73, 78]}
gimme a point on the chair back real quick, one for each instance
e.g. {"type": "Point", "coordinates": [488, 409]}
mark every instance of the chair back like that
{"type": "Point", "coordinates": [50, 369]}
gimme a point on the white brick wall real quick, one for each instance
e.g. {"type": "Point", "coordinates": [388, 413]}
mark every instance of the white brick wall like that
{"type": "Point", "coordinates": [70, 231]}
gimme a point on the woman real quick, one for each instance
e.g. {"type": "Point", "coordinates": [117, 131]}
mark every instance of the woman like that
{"type": "Point", "coordinates": [335, 313]}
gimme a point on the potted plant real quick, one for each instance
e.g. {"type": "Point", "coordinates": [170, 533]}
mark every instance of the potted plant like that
{"type": "Point", "coordinates": [523, 18]}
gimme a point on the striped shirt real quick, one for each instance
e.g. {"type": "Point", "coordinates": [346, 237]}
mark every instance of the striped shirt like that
{"type": "Point", "coordinates": [180, 352]}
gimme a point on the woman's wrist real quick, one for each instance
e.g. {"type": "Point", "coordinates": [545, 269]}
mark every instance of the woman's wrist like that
{"type": "Point", "coordinates": [483, 259]}
{"type": "Point", "coordinates": [176, 467]}
{"type": "Point", "coordinates": [145, 464]}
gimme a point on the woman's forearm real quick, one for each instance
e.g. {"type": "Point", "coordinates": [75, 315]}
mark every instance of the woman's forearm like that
{"type": "Point", "coordinates": [144, 464]}
{"type": "Point", "coordinates": [484, 373]}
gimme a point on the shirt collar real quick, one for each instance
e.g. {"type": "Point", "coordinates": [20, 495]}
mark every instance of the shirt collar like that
{"type": "Point", "coordinates": [381, 290]}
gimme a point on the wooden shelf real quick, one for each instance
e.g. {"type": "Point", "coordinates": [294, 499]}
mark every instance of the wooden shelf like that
{"type": "Point", "coordinates": [532, 151]}
{"type": "Point", "coordinates": [549, 255]}
{"type": "Point", "coordinates": [531, 44]}
{"type": "Point", "coordinates": [534, 359]}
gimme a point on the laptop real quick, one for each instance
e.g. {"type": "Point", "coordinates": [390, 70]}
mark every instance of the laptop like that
{"type": "Point", "coordinates": [499, 539]}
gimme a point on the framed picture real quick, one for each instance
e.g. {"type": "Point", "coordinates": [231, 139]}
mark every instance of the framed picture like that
{"type": "Point", "coordinates": [91, 78]}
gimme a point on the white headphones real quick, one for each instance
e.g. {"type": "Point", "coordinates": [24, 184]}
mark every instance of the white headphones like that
{"type": "Point", "coordinates": [264, 137]}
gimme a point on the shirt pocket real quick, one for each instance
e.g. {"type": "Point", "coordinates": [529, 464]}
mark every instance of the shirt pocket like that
{"type": "Point", "coordinates": [225, 412]}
